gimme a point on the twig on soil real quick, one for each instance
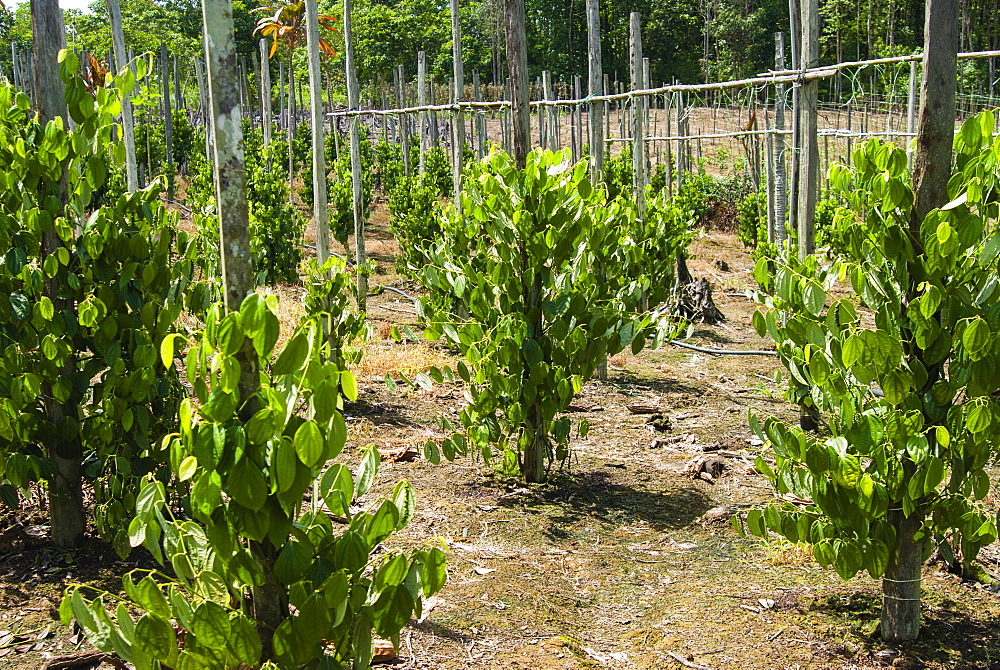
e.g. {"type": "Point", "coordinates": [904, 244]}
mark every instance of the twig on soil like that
{"type": "Point", "coordinates": [393, 309]}
{"type": "Point", "coordinates": [683, 661]}
{"type": "Point", "coordinates": [774, 637]}
{"type": "Point", "coordinates": [720, 352]}
{"type": "Point", "coordinates": [82, 659]}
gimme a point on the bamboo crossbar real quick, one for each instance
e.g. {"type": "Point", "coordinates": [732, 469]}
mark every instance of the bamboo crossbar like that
{"type": "Point", "coordinates": [764, 79]}
{"type": "Point", "coordinates": [888, 60]}
{"type": "Point", "coordinates": [772, 131]}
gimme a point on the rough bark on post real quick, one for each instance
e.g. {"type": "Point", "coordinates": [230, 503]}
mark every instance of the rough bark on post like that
{"type": "Point", "coordinates": [480, 118]}
{"type": "Point", "coordinates": [128, 122]}
{"type": "Point", "coordinates": [205, 110]}
{"type": "Point", "coordinates": [458, 122]}
{"type": "Point", "coordinates": [638, 136]}
{"type": "Point", "coordinates": [421, 101]}
{"type": "Point", "coordinates": [780, 176]}
{"type": "Point", "coordinates": [168, 122]}
{"type": "Point", "coordinates": [67, 521]}
{"type": "Point", "coordinates": [809, 155]}
{"type": "Point", "coordinates": [404, 121]}
{"type": "Point", "coordinates": [321, 214]}
{"type": "Point", "coordinates": [270, 607]}
{"type": "Point", "coordinates": [178, 96]}
{"type": "Point", "coordinates": [265, 90]}
{"type": "Point", "coordinates": [517, 64]}
{"type": "Point", "coordinates": [911, 113]}
{"type": "Point", "coordinates": [359, 207]}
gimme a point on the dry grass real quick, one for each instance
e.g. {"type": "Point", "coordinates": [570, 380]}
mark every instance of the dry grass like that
{"type": "Point", "coordinates": [407, 359]}
{"type": "Point", "coordinates": [779, 551]}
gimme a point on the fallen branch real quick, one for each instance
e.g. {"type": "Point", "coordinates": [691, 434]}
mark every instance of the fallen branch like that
{"type": "Point", "coordinates": [719, 352]}
{"type": "Point", "coordinates": [82, 659]}
{"type": "Point", "coordinates": [683, 661]}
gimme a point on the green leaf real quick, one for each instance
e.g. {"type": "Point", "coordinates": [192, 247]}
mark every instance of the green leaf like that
{"type": "Point", "coordinates": [292, 356]}
{"type": "Point", "coordinates": [246, 485]}
{"type": "Point", "coordinates": [309, 444]}
{"type": "Point", "coordinates": [337, 489]}
{"type": "Point", "coordinates": [293, 560]}
{"type": "Point", "coordinates": [150, 598]}
{"type": "Point", "coordinates": [210, 624]}
{"type": "Point", "coordinates": [367, 469]}
{"type": "Point", "coordinates": [434, 573]}
{"type": "Point", "coordinates": [187, 469]}
{"type": "Point", "coordinates": [976, 335]}
{"type": "Point", "coordinates": [814, 297]}
{"type": "Point", "coordinates": [349, 383]}
{"type": "Point", "coordinates": [155, 636]}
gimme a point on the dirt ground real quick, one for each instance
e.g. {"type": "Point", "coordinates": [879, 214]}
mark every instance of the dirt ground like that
{"type": "Point", "coordinates": [623, 560]}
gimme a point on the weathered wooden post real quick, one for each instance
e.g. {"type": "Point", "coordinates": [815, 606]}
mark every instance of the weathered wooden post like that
{"type": "Point", "coordinates": [353, 103]}
{"type": "Point", "coordinates": [168, 121]}
{"type": "Point", "coordinates": [780, 176]}
{"type": "Point", "coordinates": [265, 90]}
{"type": "Point", "coordinates": [128, 122]}
{"type": "Point", "coordinates": [638, 137]}
{"type": "Point", "coordinates": [809, 157]}
{"type": "Point", "coordinates": [480, 118]}
{"type": "Point", "coordinates": [458, 122]}
{"type": "Point", "coordinates": [932, 165]}
{"type": "Point", "coordinates": [595, 86]}
{"type": "Point", "coordinates": [911, 112]}
{"type": "Point", "coordinates": [67, 521]}
{"type": "Point", "coordinates": [421, 102]}
{"type": "Point", "coordinates": [321, 215]}
{"type": "Point", "coordinates": [404, 134]}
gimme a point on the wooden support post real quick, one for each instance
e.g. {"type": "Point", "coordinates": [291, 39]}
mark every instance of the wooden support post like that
{"type": "Point", "coordinates": [809, 157]}
{"type": "Point", "coordinates": [168, 121]}
{"type": "Point", "coordinates": [321, 215]}
{"type": "Point", "coordinates": [794, 155]}
{"type": "Point", "coordinates": [178, 96]}
{"type": "Point", "coordinates": [517, 63]}
{"type": "Point", "coordinates": [282, 120]}
{"type": "Point", "coordinates": [360, 207]}
{"type": "Point", "coordinates": [404, 120]}
{"type": "Point", "coordinates": [481, 138]}
{"type": "Point", "coordinates": [911, 112]}
{"type": "Point", "coordinates": [421, 101]}
{"type": "Point", "coordinates": [458, 120]}
{"type": "Point", "coordinates": [128, 121]}
{"type": "Point", "coordinates": [548, 141]}
{"type": "Point", "coordinates": [67, 521]}
{"type": "Point", "coordinates": [576, 126]}
{"type": "Point", "coordinates": [435, 129]}
{"type": "Point", "coordinates": [206, 111]}
{"type": "Point", "coordinates": [265, 90]}
{"type": "Point", "coordinates": [780, 176]}
{"type": "Point", "coordinates": [638, 137]}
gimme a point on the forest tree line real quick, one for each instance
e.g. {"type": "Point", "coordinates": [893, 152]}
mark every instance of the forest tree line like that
{"type": "Point", "coordinates": [686, 40]}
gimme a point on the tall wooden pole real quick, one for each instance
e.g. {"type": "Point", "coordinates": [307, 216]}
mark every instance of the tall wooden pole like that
{"type": "Point", "coordinates": [809, 156]}
{"type": "Point", "coordinates": [404, 121]}
{"type": "Point", "coordinates": [353, 102]}
{"type": "Point", "coordinates": [421, 101]}
{"type": "Point", "coordinates": [780, 175]}
{"type": "Point", "coordinates": [458, 123]}
{"type": "Point", "coordinates": [128, 123]}
{"type": "Point", "coordinates": [932, 163]}
{"type": "Point", "coordinates": [321, 214]}
{"type": "Point", "coordinates": [67, 522]}
{"type": "Point", "coordinates": [168, 121]}
{"type": "Point", "coordinates": [517, 63]}
{"type": "Point", "coordinates": [911, 113]}
{"type": "Point", "coordinates": [638, 136]}
{"type": "Point", "coordinates": [265, 90]}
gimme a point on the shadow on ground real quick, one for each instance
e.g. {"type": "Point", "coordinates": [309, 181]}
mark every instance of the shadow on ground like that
{"type": "Point", "coordinates": [948, 636]}
{"type": "Point", "coordinates": [572, 498]}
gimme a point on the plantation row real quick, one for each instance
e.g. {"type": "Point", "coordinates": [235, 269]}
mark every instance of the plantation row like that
{"type": "Point", "coordinates": [201, 444]}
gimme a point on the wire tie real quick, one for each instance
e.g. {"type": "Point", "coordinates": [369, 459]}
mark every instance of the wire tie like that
{"type": "Point", "coordinates": [908, 600]}
{"type": "Point", "coordinates": [899, 581]}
